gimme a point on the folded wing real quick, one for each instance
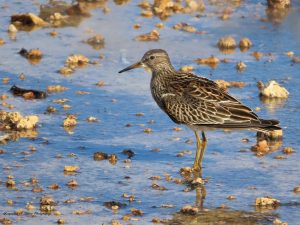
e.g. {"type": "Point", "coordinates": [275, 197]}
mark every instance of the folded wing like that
{"type": "Point", "coordinates": [196, 101]}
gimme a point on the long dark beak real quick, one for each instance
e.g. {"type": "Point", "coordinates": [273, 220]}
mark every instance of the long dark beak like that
{"type": "Point", "coordinates": [133, 66]}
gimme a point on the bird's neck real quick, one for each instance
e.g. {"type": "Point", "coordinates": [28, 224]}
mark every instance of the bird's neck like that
{"type": "Point", "coordinates": [163, 69]}
{"type": "Point", "coordinates": [160, 82]}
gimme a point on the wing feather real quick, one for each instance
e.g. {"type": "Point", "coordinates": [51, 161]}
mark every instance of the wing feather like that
{"type": "Point", "coordinates": [196, 100]}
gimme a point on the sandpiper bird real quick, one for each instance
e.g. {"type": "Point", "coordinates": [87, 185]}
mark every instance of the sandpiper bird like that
{"type": "Point", "coordinates": [196, 101]}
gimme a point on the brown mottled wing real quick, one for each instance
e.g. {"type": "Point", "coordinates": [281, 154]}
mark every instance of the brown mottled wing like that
{"type": "Point", "coordinates": [196, 101]}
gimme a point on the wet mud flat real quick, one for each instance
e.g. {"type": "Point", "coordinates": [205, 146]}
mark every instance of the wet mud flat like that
{"type": "Point", "coordinates": [82, 144]}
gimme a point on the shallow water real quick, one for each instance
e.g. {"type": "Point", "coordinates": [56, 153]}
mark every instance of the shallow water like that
{"type": "Point", "coordinates": [230, 171]}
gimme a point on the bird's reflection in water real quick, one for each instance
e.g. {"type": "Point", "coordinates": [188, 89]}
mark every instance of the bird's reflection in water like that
{"type": "Point", "coordinates": [204, 216]}
{"type": "Point", "coordinates": [195, 182]}
{"type": "Point", "coordinates": [200, 190]}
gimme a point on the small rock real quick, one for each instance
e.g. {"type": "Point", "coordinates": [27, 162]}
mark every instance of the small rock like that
{"type": "Point", "coordinates": [72, 184]}
{"type": "Point", "coordinates": [47, 203]}
{"type": "Point", "coordinates": [66, 71]}
{"type": "Point", "coordinates": [297, 190]}
{"type": "Point", "coordinates": [70, 201]}
{"type": "Point", "coordinates": [28, 19]}
{"type": "Point", "coordinates": [37, 189]}
{"type": "Point", "coordinates": [60, 221]}
{"type": "Point", "coordinates": [78, 60]}
{"type": "Point", "coordinates": [10, 183]}
{"type": "Point", "coordinates": [97, 41]}
{"type": "Point", "coordinates": [245, 43]}
{"type": "Point", "coordinates": [140, 114]}
{"type": "Point", "coordinates": [158, 187]}
{"type": "Point", "coordinates": [112, 204]}
{"type": "Point", "coordinates": [137, 26]}
{"type": "Point", "coordinates": [266, 201]}
{"type": "Point", "coordinates": [9, 202]}
{"type": "Point", "coordinates": [241, 66]}
{"type": "Point", "coordinates": [71, 168]}
{"type": "Point", "coordinates": [231, 197]}
{"type": "Point", "coordinates": [223, 206]}
{"type": "Point", "coordinates": [100, 83]}
{"type": "Point", "coordinates": [290, 54]}
{"type": "Point", "coordinates": [129, 153]}
{"type": "Point", "coordinates": [113, 158]}
{"type": "Point", "coordinates": [152, 36]}
{"type": "Point", "coordinates": [53, 33]}
{"type": "Point", "coordinates": [51, 109]}
{"type": "Point", "coordinates": [261, 146]}
{"type": "Point", "coordinates": [154, 178]}
{"type": "Point", "coordinates": [160, 25]}
{"type": "Point", "coordinates": [147, 13]}
{"type": "Point", "coordinates": [28, 122]}
{"type": "Point", "coordinates": [70, 121]}
{"type": "Point", "coordinates": [190, 210]}
{"type": "Point", "coordinates": [136, 212]}
{"type": "Point", "coordinates": [296, 59]}
{"type": "Point", "coordinates": [56, 88]}
{"type": "Point", "coordinates": [288, 150]}
{"type": "Point", "coordinates": [186, 171]}
{"type": "Point", "coordinates": [272, 90]}
{"type": "Point", "coordinates": [29, 206]}
{"type": "Point", "coordinates": [210, 61]}
{"type": "Point", "coordinates": [54, 186]}
{"type": "Point", "coordinates": [226, 42]}
{"type": "Point", "coordinates": [167, 206]}
{"type": "Point", "coordinates": [2, 42]}
{"type": "Point", "coordinates": [91, 119]}
{"type": "Point", "coordinates": [5, 221]}
{"type": "Point", "coordinates": [147, 130]}
{"type": "Point", "coordinates": [98, 156]}
{"type": "Point", "coordinates": [185, 27]}
{"type": "Point", "coordinates": [180, 154]}
{"type": "Point", "coordinates": [257, 55]}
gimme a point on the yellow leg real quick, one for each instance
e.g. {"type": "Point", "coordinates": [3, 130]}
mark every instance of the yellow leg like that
{"type": "Point", "coordinates": [198, 153]}
{"type": "Point", "coordinates": [203, 146]}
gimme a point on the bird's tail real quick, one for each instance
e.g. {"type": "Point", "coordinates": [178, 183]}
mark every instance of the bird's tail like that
{"type": "Point", "coordinates": [268, 125]}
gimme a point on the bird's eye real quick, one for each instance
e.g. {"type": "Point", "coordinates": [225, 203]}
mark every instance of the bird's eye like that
{"type": "Point", "coordinates": [152, 57]}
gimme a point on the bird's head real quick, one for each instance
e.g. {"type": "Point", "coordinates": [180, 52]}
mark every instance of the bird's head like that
{"type": "Point", "coordinates": [155, 59]}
